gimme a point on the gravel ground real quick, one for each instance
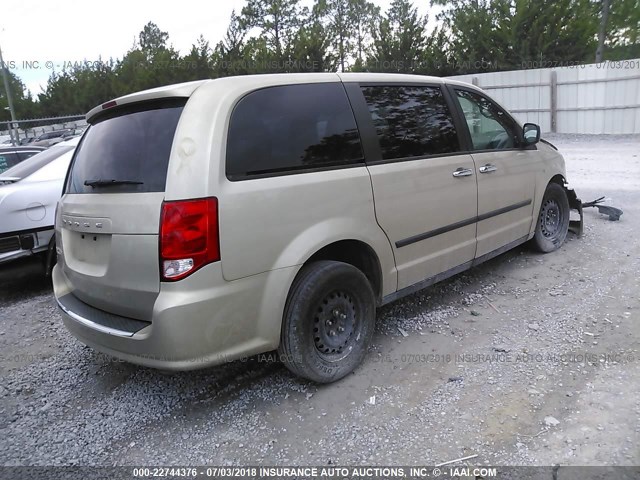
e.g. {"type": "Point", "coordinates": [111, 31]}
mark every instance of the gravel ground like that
{"type": "Point", "coordinates": [528, 359]}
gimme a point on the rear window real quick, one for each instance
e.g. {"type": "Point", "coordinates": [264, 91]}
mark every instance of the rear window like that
{"type": "Point", "coordinates": [35, 163]}
{"type": "Point", "coordinates": [292, 128]}
{"type": "Point", "coordinates": [127, 150]}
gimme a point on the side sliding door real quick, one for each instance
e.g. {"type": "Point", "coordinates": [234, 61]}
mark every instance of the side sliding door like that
{"type": "Point", "coordinates": [424, 186]}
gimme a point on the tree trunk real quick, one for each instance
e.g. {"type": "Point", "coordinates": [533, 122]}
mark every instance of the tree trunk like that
{"type": "Point", "coordinates": [342, 55]}
{"type": "Point", "coordinates": [602, 32]}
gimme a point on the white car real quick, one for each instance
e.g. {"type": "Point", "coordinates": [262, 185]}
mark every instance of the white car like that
{"type": "Point", "coordinates": [29, 193]}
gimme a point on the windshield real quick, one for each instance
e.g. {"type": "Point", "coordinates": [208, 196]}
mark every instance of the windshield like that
{"type": "Point", "coordinates": [35, 163]}
{"type": "Point", "coordinates": [127, 150]}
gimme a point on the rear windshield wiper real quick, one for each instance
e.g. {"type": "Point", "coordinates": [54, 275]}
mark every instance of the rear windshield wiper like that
{"type": "Point", "coordinates": [110, 181]}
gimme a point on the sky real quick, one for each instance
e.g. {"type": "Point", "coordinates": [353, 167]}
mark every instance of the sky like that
{"type": "Point", "coordinates": [43, 37]}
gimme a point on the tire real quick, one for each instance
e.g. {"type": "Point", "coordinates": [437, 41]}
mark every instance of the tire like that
{"type": "Point", "coordinates": [553, 220]}
{"type": "Point", "coordinates": [328, 321]}
{"type": "Point", "coordinates": [51, 257]}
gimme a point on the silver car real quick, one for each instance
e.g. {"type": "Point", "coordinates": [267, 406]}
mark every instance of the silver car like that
{"type": "Point", "coordinates": [11, 156]}
{"type": "Point", "coordinates": [29, 193]}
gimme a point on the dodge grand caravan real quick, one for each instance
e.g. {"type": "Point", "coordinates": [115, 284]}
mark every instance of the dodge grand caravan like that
{"type": "Point", "coordinates": [211, 220]}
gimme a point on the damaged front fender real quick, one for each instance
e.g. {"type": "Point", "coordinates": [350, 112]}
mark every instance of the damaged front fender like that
{"type": "Point", "coordinates": [576, 226]}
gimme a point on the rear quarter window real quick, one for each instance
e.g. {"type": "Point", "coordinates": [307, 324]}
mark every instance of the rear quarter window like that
{"type": "Point", "coordinates": [131, 144]}
{"type": "Point", "coordinates": [292, 128]}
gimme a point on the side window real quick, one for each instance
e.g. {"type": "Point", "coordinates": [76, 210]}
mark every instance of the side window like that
{"type": "Point", "coordinates": [25, 155]}
{"type": "Point", "coordinates": [489, 126]}
{"type": "Point", "coordinates": [291, 127]}
{"type": "Point", "coordinates": [411, 121]}
{"type": "Point", "coordinates": [8, 160]}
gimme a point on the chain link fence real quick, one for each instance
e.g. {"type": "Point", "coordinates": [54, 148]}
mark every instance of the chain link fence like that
{"type": "Point", "coordinates": [23, 132]}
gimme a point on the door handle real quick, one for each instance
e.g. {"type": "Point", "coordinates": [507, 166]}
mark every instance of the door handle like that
{"type": "Point", "coordinates": [488, 168]}
{"type": "Point", "coordinates": [462, 172]}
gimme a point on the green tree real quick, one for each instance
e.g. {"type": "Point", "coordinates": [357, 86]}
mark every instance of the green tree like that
{"type": "Point", "coordinates": [311, 50]}
{"type": "Point", "coordinates": [278, 22]}
{"type": "Point", "coordinates": [365, 17]}
{"type": "Point", "coordinates": [399, 40]}
{"type": "Point", "coordinates": [24, 105]}
{"type": "Point", "coordinates": [436, 58]}
{"type": "Point", "coordinates": [231, 53]}
{"type": "Point", "coordinates": [197, 63]}
{"type": "Point", "coordinates": [488, 35]}
{"type": "Point", "coordinates": [152, 40]}
{"type": "Point", "coordinates": [479, 33]}
{"type": "Point", "coordinates": [150, 63]}
{"type": "Point", "coordinates": [77, 89]}
{"type": "Point", "coordinates": [546, 31]}
{"type": "Point", "coordinates": [338, 18]}
{"type": "Point", "coordinates": [622, 39]}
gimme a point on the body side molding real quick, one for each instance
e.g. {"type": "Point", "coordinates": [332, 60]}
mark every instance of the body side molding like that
{"type": "Point", "coordinates": [447, 228]}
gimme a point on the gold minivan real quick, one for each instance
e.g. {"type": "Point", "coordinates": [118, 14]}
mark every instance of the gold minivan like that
{"type": "Point", "coordinates": [207, 221]}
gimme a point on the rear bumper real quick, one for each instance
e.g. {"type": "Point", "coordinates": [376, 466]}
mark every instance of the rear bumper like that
{"type": "Point", "coordinates": [197, 322]}
{"type": "Point", "coordinates": [99, 319]}
{"type": "Point", "coordinates": [21, 245]}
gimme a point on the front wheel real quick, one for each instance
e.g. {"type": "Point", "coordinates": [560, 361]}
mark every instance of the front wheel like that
{"type": "Point", "coordinates": [328, 321]}
{"type": "Point", "coordinates": [553, 220]}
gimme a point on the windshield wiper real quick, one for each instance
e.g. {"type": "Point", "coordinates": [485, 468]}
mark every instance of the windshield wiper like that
{"type": "Point", "coordinates": [110, 181]}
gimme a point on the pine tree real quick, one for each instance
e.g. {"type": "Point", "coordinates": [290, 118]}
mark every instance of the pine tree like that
{"type": "Point", "coordinates": [229, 54]}
{"type": "Point", "coordinates": [311, 50]}
{"type": "Point", "coordinates": [365, 16]}
{"type": "Point", "coordinates": [338, 18]}
{"type": "Point", "coordinates": [278, 22]}
{"type": "Point", "coordinates": [23, 102]}
{"type": "Point", "coordinates": [399, 39]}
{"type": "Point", "coordinates": [197, 63]}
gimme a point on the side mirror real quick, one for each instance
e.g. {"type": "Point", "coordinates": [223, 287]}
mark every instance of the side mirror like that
{"type": "Point", "coordinates": [531, 133]}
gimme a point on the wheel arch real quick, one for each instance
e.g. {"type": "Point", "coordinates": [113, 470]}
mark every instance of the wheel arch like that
{"type": "Point", "coordinates": [574, 202]}
{"type": "Point", "coordinates": [559, 179]}
{"type": "Point", "coordinates": [357, 253]}
{"type": "Point", "coordinates": [576, 226]}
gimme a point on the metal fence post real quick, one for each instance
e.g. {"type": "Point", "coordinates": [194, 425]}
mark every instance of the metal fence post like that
{"type": "Point", "coordinates": [553, 85]}
{"type": "Point", "coordinates": [13, 132]}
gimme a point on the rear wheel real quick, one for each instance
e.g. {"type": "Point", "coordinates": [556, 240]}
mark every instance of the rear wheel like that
{"type": "Point", "coordinates": [328, 321]}
{"type": "Point", "coordinates": [553, 220]}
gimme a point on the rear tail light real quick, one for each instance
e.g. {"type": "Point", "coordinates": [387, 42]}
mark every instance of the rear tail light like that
{"type": "Point", "coordinates": [188, 237]}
